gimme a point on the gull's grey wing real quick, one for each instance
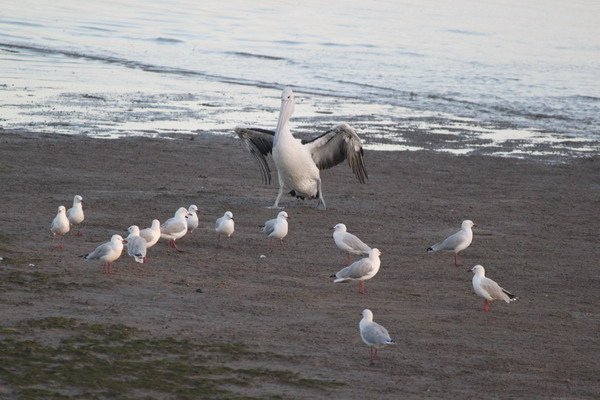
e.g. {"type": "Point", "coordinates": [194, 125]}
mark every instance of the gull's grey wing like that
{"type": "Point", "coordinates": [355, 270]}
{"type": "Point", "coordinates": [259, 143]}
{"type": "Point", "coordinates": [450, 242]}
{"type": "Point", "coordinates": [100, 251]}
{"type": "Point", "coordinates": [495, 290]}
{"type": "Point", "coordinates": [269, 226]}
{"type": "Point", "coordinates": [172, 226]}
{"type": "Point", "coordinates": [336, 145]}
{"type": "Point", "coordinates": [136, 246]}
{"type": "Point", "coordinates": [355, 243]}
{"type": "Point", "coordinates": [376, 334]}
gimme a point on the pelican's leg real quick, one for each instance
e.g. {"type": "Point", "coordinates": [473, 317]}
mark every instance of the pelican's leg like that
{"type": "Point", "coordinates": [276, 204]}
{"type": "Point", "coordinates": [321, 204]}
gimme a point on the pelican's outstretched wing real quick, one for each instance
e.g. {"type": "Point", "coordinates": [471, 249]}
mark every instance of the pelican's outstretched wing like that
{"type": "Point", "coordinates": [259, 143]}
{"type": "Point", "coordinates": [336, 145]}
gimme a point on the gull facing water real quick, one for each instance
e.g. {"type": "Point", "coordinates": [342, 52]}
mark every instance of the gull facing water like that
{"type": "Point", "coordinates": [136, 245]}
{"type": "Point", "coordinates": [360, 270]}
{"type": "Point", "coordinates": [372, 334]}
{"type": "Point", "coordinates": [457, 242]}
{"type": "Point", "coordinates": [75, 213]}
{"type": "Point", "coordinates": [488, 289]}
{"type": "Point", "coordinates": [298, 161]}
{"type": "Point", "coordinates": [192, 218]}
{"type": "Point", "coordinates": [224, 226]}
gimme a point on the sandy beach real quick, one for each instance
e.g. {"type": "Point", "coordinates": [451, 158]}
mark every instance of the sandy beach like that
{"type": "Point", "coordinates": [188, 325]}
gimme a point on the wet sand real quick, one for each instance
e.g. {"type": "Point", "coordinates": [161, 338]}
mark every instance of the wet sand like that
{"type": "Point", "coordinates": [537, 235]}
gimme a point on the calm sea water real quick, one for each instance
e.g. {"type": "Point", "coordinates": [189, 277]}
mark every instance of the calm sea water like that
{"type": "Point", "coordinates": [467, 74]}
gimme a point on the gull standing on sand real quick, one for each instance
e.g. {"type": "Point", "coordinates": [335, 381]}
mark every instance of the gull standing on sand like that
{"type": "Point", "coordinates": [457, 242]}
{"type": "Point", "coordinates": [372, 334]}
{"type": "Point", "coordinates": [75, 213]}
{"type": "Point", "coordinates": [298, 161]}
{"type": "Point", "coordinates": [360, 271]}
{"type": "Point", "coordinates": [175, 228]}
{"type": "Point", "coordinates": [107, 252]}
{"type": "Point", "coordinates": [224, 226]}
{"type": "Point", "coordinates": [60, 226]}
{"type": "Point", "coordinates": [151, 234]}
{"type": "Point", "coordinates": [192, 218]}
{"type": "Point", "coordinates": [136, 245]}
{"type": "Point", "coordinates": [488, 289]}
{"type": "Point", "coordinates": [348, 243]}
{"type": "Point", "coordinates": [277, 228]}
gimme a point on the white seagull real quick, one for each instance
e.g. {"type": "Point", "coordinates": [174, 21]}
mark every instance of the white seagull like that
{"type": "Point", "coordinates": [298, 161]}
{"type": "Point", "coordinates": [151, 234]}
{"type": "Point", "coordinates": [136, 245]}
{"type": "Point", "coordinates": [372, 334]}
{"type": "Point", "coordinates": [75, 213]}
{"type": "Point", "coordinates": [107, 252]}
{"type": "Point", "coordinates": [457, 242]}
{"type": "Point", "coordinates": [192, 219]}
{"type": "Point", "coordinates": [488, 289]}
{"type": "Point", "coordinates": [277, 228]}
{"type": "Point", "coordinates": [360, 270]}
{"type": "Point", "coordinates": [348, 243]}
{"type": "Point", "coordinates": [175, 228]}
{"type": "Point", "coordinates": [60, 225]}
{"type": "Point", "coordinates": [224, 226]}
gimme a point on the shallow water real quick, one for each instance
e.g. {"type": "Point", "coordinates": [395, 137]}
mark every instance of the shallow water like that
{"type": "Point", "coordinates": [498, 77]}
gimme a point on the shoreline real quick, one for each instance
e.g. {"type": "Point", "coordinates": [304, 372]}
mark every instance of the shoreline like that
{"type": "Point", "coordinates": [536, 237]}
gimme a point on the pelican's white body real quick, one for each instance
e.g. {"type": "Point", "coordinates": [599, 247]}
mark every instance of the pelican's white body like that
{"type": "Point", "coordinates": [295, 166]}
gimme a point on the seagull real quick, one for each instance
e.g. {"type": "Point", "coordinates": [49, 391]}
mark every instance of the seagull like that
{"type": "Point", "coordinates": [298, 161]}
{"type": "Point", "coordinates": [348, 243]}
{"type": "Point", "coordinates": [360, 270]}
{"type": "Point", "coordinates": [151, 234]}
{"type": "Point", "coordinates": [372, 334]}
{"type": "Point", "coordinates": [224, 226]}
{"type": "Point", "coordinates": [457, 242]}
{"type": "Point", "coordinates": [60, 225]}
{"type": "Point", "coordinates": [192, 219]}
{"type": "Point", "coordinates": [277, 228]}
{"type": "Point", "coordinates": [136, 245]}
{"type": "Point", "coordinates": [75, 213]}
{"type": "Point", "coordinates": [175, 228]}
{"type": "Point", "coordinates": [107, 252]}
{"type": "Point", "coordinates": [488, 289]}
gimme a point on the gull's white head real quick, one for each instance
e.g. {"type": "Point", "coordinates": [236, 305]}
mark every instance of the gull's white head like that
{"type": "Point", "coordinates": [478, 270]}
{"type": "Point", "coordinates": [467, 224]}
{"type": "Point", "coordinates": [77, 199]}
{"type": "Point", "coordinates": [193, 209]}
{"type": "Point", "coordinates": [375, 253]}
{"type": "Point", "coordinates": [283, 215]}
{"type": "Point", "coordinates": [181, 211]}
{"type": "Point", "coordinates": [134, 230]}
{"type": "Point", "coordinates": [117, 239]}
{"type": "Point", "coordinates": [228, 215]}
{"type": "Point", "coordinates": [367, 314]}
{"type": "Point", "coordinates": [155, 224]}
{"type": "Point", "coordinates": [340, 228]}
{"type": "Point", "coordinates": [62, 209]}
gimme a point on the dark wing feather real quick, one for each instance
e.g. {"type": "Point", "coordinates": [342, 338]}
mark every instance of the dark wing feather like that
{"type": "Point", "coordinates": [336, 145]}
{"type": "Point", "coordinates": [259, 143]}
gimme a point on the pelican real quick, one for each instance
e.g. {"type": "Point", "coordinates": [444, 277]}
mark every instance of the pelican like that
{"type": "Point", "coordinates": [298, 161]}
